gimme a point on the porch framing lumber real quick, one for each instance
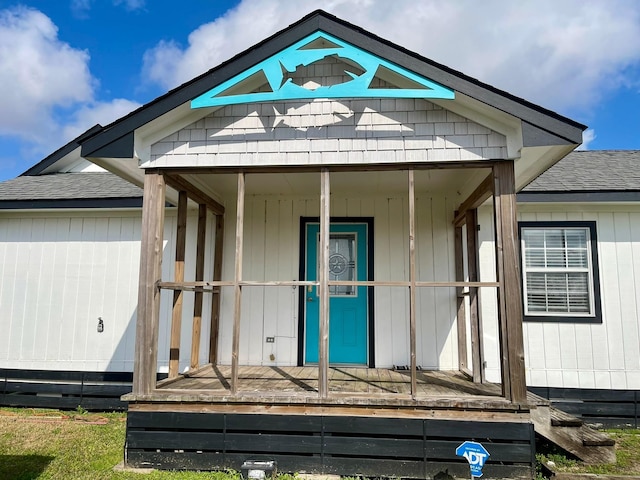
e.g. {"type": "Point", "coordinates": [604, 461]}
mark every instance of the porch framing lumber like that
{"type": "Point", "coordinates": [461, 316]}
{"type": "Point", "coordinates": [412, 279]}
{"type": "Point", "coordinates": [213, 285]}
{"type": "Point", "coordinates": [146, 351]}
{"type": "Point", "coordinates": [235, 342]}
{"type": "Point", "coordinates": [509, 291]}
{"type": "Point", "coordinates": [201, 243]}
{"type": "Point", "coordinates": [323, 288]}
{"type": "Point", "coordinates": [480, 195]}
{"type": "Point", "coordinates": [352, 167]}
{"type": "Point", "coordinates": [176, 314]}
{"type": "Point", "coordinates": [477, 352]}
{"type": "Point", "coordinates": [175, 181]}
{"type": "Point", "coordinates": [214, 331]}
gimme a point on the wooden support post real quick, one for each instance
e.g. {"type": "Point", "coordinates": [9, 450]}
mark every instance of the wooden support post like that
{"type": "Point", "coordinates": [461, 316]}
{"type": "Point", "coordinates": [216, 296]}
{"type": "Point", "coordinates": [235, 342]}
{"type": "Point", "coordinates": [477, 198]}
{"type": "Point", "coordinates": [201, 244]}
{"type": "Point", "coordinates": [323, 288]}
{"type": "Point", "coordinates": [412, 281]}
{"type": "Point", "coordinates": [176, 314]}
{"type": "Point", "coordinates": [146, 352]}
{"type": "Point", "coordinates": [177, 182]}
{"type": "Point", "coordinates": [477, 353]}
{"type": "Point", "coordinates": [509, 291]}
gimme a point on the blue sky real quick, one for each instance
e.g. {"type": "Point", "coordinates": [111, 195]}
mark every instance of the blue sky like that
{"type": "Point", "coordinates": [66, 65]}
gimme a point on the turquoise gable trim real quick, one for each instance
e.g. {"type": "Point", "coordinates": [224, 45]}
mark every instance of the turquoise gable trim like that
{"type": "Point", "coordinates": [302, 54]}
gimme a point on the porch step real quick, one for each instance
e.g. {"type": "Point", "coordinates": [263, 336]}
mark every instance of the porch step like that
{"type": "Point", "coordinates": [563, 419]}
{"type": "Point", "coordinates": [593, 438]}
{"type": "Point", "coordinates": [570, 434]}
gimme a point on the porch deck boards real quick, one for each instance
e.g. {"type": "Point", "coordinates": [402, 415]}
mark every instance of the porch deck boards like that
{"type": "Point", "coordinates": [342, 380]}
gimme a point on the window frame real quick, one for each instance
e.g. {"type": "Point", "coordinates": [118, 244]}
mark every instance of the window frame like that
{"type": "Point", "coordinates": [594, 277]}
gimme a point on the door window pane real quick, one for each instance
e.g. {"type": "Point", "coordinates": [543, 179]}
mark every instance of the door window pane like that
{"type": "Point", "coordinates": [342, 262]}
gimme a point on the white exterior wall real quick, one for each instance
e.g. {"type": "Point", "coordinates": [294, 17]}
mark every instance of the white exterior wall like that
{"type": "Point", "coordinates": [59, 272]}
{"type": "Point", "coordinates": [272, 252]}
{"type": "Point", "coordinates": [578, 355]}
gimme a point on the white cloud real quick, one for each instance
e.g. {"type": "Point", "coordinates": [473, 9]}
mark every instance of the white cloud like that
{"type": "Point", "coordinates": [563, 55]}
{"type": "Point", "coordinates": [49, 90]}
{"type": "Point", "coordinates": [80, 8]}
{"type": "Point", "coordinates": [130, 4]}
{"type": "Point", "coordinates": [38, 72]}
{"type": "Point", "coordinates": [97, 112]}
{"type": "Point", "coordinates": [588, 136]}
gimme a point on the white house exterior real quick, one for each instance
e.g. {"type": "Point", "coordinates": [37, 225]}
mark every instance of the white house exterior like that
{"type": "Point", "coordinates": [276, 207]}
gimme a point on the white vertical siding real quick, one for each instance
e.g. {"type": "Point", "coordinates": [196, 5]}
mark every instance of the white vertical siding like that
{"type": "Point", "coordinates": [487, 296]}
{"type": "Point", "coordinates": [578, 355]}
{"type": "Point", "coordinates": [60, 272]}
{"type": "Point", "coordinates": [272, 252]}
{"type": "Point", "coordinates": [58, 275]}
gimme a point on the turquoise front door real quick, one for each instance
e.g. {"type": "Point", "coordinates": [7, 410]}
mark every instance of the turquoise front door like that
{"type": "Point", "coordinates": [347, 304]}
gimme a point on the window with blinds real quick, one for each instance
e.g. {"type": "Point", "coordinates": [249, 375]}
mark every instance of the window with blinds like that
{"type": "Point", "coordinates": [558, 270]}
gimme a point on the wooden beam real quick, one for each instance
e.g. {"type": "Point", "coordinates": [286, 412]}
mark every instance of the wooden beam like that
{"type": "Point", "coordinates": [215, 298]}
{"type": "Point", "coordinates": [352, 167]}
{"type": "Point", "coordinates": [148, 312]}
{"type": "Point", "coordinates": [201, 244]}
{"type": "Point", "coordinates": [323, 289]}
{"type": "Point", "coordinates": [235, 341]}
{"type": "Point", "coordinates": [477, 353]}
{"type": "Point", "coordinates": [412, 286]}
{"type": "Point", "coordinates": [176, 314]}
{"type": "Point", "coordinates": [176, 182]}
{"type": "Point", "coordinates": [461, 316]}
{"type": "Point", "coordinates": [211, 286]}
{"type": "Point", "coordinates": [481, 194]}
{"type": "Point", "coordinates": [509, 292]}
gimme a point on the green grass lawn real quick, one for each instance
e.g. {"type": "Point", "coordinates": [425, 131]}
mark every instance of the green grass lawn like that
{"type": "Point", "coordinates": [49, 444]}
{"type": "Point", "coordinates": [39, 444]}
{"type": "Point", "coordinates": [627, 457]}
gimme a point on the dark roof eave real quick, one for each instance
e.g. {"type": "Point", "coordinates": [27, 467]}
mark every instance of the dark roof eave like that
{"type": "Point", "coordinates": [41, 166]}
{"type": "Point", "coordinates": [592, 196]}
{"type": "Point", "coordinates": [72, 203]}
{"type": "Point", "coordinates": [544, 119]}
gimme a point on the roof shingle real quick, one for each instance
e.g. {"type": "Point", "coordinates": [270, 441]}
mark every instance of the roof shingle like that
{"type": "Point", "coordinates": [591, 171]}
{"type": "Point", "coordinates": [68, 186]}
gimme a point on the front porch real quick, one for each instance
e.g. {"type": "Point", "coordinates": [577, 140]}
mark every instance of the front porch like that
{"type": "Point", "coordinates": [318, 416]}
{"type": "Point", "coordinates": [425, 292]}
{"type": "Point", "coordinates": [347, 385]}
{"type": "Point", "coordinates": [369, 423]}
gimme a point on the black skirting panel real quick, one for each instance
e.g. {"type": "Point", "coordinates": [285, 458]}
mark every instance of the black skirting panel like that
{"type": "Point", "coordinates": [597, 407]}
{"type": "Point", "coordinates": [62, 389]}
{"type": "Point", "coordinates": [348, 446]}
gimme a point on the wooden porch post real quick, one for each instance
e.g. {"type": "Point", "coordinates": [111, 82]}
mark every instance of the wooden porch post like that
{"type": "Point", "coordinates": [146, 352]}
{"type": "Point", "coordinates": [474, 310]}
{"type": "Point", "coordinates": [323, 288]}
{"type": "Point", "coordinates": [176, 316]}
{"type": "Point", "coordinates": [412, 282]}
{"type": "Point", "coordinates": [215, 298]}
{"type": "Point", "coordinates": [461, 316]}
{"type": "Point", "coordinates": [509, 291]}
{"type": "Point", "coordinates": [201, 241]}
{"type": "Point", "coordinates": [235, 343]}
